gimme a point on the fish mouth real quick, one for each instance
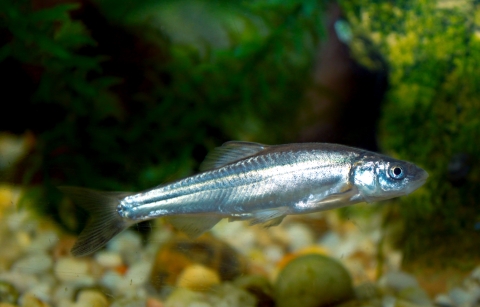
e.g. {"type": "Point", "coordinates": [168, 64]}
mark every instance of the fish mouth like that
{"type": "Point", "coordinates": [418, 180]}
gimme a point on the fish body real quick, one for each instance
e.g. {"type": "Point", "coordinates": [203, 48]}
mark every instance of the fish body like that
{"type": "Point", "coordinates": [254, 182]}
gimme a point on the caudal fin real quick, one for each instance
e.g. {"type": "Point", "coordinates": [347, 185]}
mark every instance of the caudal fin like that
{"type": "Point", "coordinates": [104, 222]}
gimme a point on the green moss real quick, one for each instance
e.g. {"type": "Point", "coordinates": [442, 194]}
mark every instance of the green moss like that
{"type": "Point", "coordinates": [431, 112]}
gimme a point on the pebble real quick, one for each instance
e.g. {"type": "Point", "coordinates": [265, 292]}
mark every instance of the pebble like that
{"type": "Point", "coordinates": [7, 305]}
{"type": "Point", "coordinates": [63, 293]}
{"type": "Point", "coordinates": [198, 278]}
{"type": "Point", "coordinates": [443, 300]}
{"type": "Point", "coordinates": [128, 245]}
{"type": "Point", "coordinates": [131, 285]}
{"type": "Point", "coordinates": [300, 236]}
{"type": "Point", "coordinates": [91, 298]}
{"type": "Point", "coordinates": [312, 281]}
{"type": "Point", "coordinates": [129, 302]}
{"type": "Point", "coordinates": [21, 281]}
{"type": "Point", "coordinates": [404, 286]}
{"type": "Point", "coordinates": [227, 295]}
{"type": "Point", "coordinates": [43, 242]}
{"type": "Point", "coordinates": [240, 236]}
{"type": "Point", "coordinates": [72, 269]}
{"type": "Point", "coordinates": [42, 291]}
{"type": "Point", "coordinates": [183, 297]}
{"type": "Point", "coordinates": [224, 295]}
{"type": "Point", "coordinates": [180, 252]}
{"type": "Point", "coordinates": [29, 300]}
{"type": "Point", "coordinates": [38, 263]}
{"type": "Point", "coordinates": [152, 302]}
{"type": "Point", "coordinates": [460, 297]}
{"type": "Point", "coordinates": [108, 259]}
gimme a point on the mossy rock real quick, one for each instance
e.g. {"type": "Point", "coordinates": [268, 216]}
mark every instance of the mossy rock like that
{"type": "Point", "coordinates": [312, 281]}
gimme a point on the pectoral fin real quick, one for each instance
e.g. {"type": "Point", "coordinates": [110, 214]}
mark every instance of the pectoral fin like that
{"type": "Point", "coordinates": [269, 217]}
{"type": "Point", "coordinates": [336, 199]}
{"type": "Point", "coordinates": [193, 225]}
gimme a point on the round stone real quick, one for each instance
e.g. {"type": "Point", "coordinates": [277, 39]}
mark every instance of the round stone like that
{"type": "Point", "coordinates": [34, 264]}
{"type": "Point", "coordinates": [71, 269]}
{"type": "Point", "coordinates": [198, 277]}
{"type": "Point", "coordinates": [89, 298]}
{"type": "Point", "coordinates": [312, 281]}
{"type": "Point", "coordinates": [108, 259]}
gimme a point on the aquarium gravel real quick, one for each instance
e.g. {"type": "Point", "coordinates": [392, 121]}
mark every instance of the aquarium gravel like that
{"type": "Point", "coordinates": [36, 268]}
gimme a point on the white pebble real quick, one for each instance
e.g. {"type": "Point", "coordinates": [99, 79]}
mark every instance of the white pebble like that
{"type": "Point", "coordinates": [443, 300]}
{"type": "Point", "coordinates": [64, 293]}
{"type": "Point", "coordinates": [112, 280]}
{"type": "Point", "coordinates": [330, 240]}
{"type": "Point", "coordinates": [273, 253]}
{"type": "Point", "coordinates": [398, 281]}
{"type": "Point", "coordinates": [475, 275]}
{"type": "Point", "coordinates": [108, 259]}
{"type": "Point", "coordinates": [128, 245]}
{"type": "Point", "coordinates": [33, 264]}
{"type": "Point", "coordinates": [300, 236]}
{"type": "Point", "coordinates": [21, 281]}
{"type": "Point", "coordinates": [460, 297]}
{"type": "Point", "coordinates": [71, 269]}
{"type": "Point", "coordinates": [44, 241]}
{"type": "Point", "coordinates": [139, 273]}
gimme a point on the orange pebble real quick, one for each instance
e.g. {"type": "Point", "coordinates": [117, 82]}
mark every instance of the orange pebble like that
{"type": "Point", "coordinates": [313, 249]}
{"type": "Point", "coordinates": [153, 302]}
{"type": "Point", "coordinates": [121, 269]}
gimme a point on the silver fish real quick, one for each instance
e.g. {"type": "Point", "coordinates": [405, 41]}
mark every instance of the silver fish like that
{"type": "Point", "coordinates": [250, 181]}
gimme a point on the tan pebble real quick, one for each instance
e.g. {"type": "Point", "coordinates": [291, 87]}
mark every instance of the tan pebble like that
{"type": "Point", "coordinates": [109, 259]}
{"type": "Point", "coordinates": [153, 302]}
{"type": "Point", "coordinates": [70, 269]}
{"type": "Point", "coordinates": [6, 196]}
{"type": "Point", "coordinates": [23, 238]}
{"type": "Point", "coordinates": [7, 305]}
{"type": "Point", "coordinates": [198, 277]}
{"type": "Point", "coordinates": [91, 298]}
{"type": "Point", "coordinates": [30, 300]}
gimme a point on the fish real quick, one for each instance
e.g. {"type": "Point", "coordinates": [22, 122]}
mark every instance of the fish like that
{"type": "Point", "coordinates": [245, 181]}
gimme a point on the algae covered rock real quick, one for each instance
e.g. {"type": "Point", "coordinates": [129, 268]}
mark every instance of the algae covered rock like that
{"type": "Point", "coordinates": [312, 281]}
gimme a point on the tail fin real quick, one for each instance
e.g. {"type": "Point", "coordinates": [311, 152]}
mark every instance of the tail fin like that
{"type": "Point", "coordinates": [104, 223]}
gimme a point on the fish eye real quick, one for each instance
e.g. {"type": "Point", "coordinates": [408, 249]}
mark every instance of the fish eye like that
{"type": "Point", "coordinates": [396, 172]}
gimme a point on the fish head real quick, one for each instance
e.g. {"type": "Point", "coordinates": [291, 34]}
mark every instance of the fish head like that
{"type": "Point", "coordinates": [380, 177]}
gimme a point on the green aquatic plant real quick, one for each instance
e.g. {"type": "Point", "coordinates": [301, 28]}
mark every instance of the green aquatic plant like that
{"type": "Point", "coordinates": [125, 103]}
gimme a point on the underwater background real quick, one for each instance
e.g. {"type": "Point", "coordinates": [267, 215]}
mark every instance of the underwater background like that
{"type": "Point", "coordinates": [127, 95]}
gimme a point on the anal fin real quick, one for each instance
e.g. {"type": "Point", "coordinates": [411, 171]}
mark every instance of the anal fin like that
{"type": "Point", "coordinates": [193, 225]}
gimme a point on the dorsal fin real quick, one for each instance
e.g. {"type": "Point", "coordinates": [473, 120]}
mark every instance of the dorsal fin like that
{"type": "Point", "coordinates": [230, 152]}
